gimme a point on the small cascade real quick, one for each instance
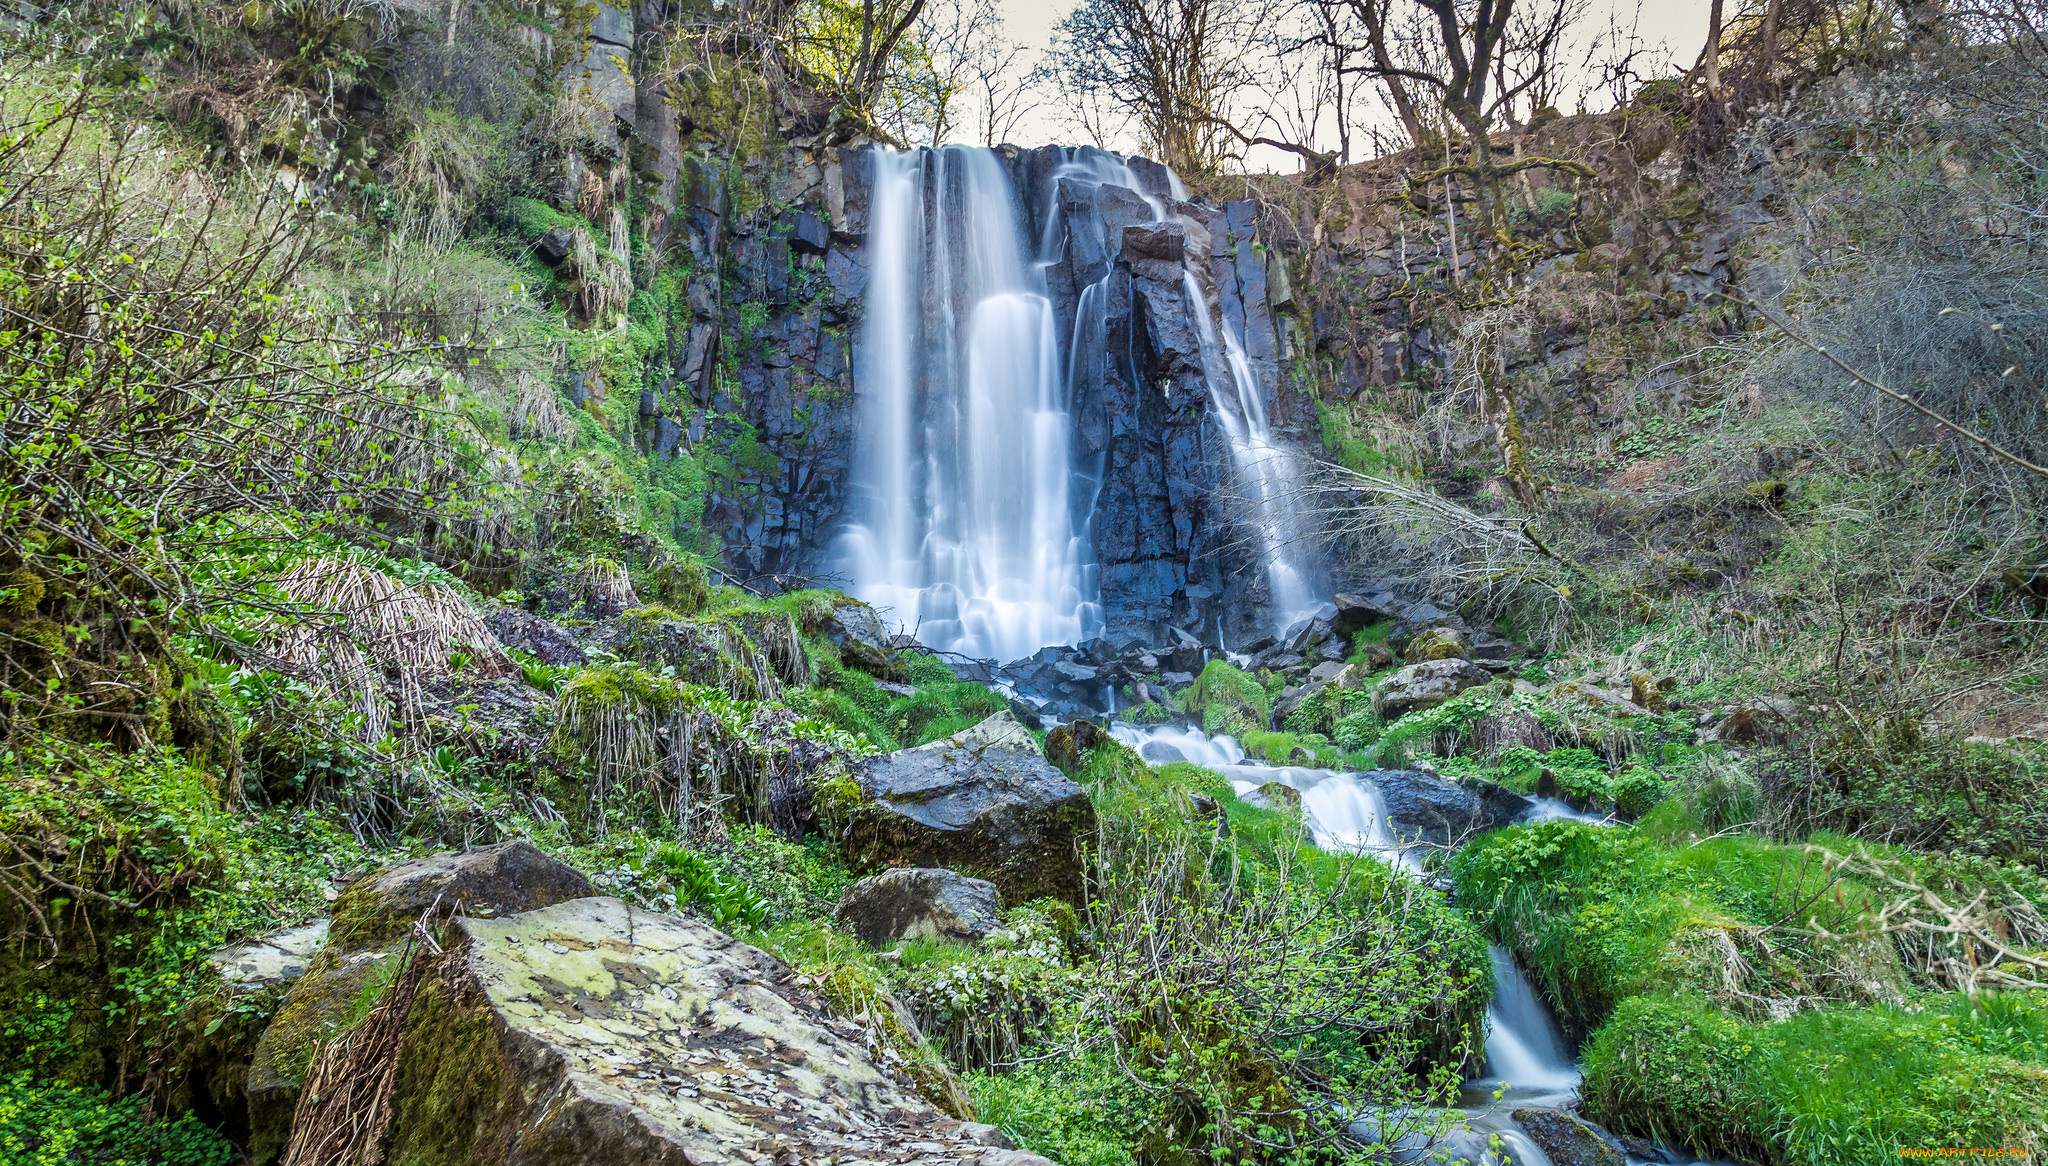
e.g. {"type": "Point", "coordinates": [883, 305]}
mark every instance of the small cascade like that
{"type": "Point", "coordinates": [1524, 1049]}
{"type": "Point", "coordinates": [1527, 1059]}
{"type": "Point", "coordinates": [963, 529]}
{"type": "Point", "coordinates": [1267, 473]}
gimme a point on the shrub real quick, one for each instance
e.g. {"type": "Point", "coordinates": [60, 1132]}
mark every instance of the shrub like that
{"type": "Point", "coordinates": [1639, 791]}
{"type": "Point", "coordinates": [1078, 1111]}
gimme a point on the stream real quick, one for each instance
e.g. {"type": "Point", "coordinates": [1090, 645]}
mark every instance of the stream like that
{"type": "Point", "coordinates": [1527, 1060]}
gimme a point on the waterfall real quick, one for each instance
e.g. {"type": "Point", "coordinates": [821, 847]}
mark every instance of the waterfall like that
{"type": "Point", "coordinates": [963, 532]}
{"type": "Point", "coordinates": [1266, 472]}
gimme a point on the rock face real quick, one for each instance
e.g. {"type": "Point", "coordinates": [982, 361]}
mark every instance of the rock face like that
{"type": "Point", "coordinates": [588, 1031]}
{"type": "Point", "coordinates": [920, 903]}
{"type": "Point", "coordinates": [984, 802]}
{"type": "Point", "coordinates": [856, 630]}
{"type": "Point", "coordinates": [1425, 686]}
{"type": "Point", "coordinates": [370, 919]}
{"type": "Point", "coordinates": [1568, 1140]}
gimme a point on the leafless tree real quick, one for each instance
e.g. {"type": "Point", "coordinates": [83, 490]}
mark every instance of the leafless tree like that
{"type": "Point", "coordinates": [1175, 65]}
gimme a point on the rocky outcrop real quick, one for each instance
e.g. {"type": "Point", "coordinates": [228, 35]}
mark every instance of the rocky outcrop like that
{"type": "Point", "coordinates": [1570, 1140]}
{"type": "Point", "coordinates": [370, 920]}
{"type": "Point", "coordinates": [1425, 686]}
{"type": "Point", "coordinates": [589, 1031]}
{"type": "Point", "coordinates": [985, 802]}
{"type": "Point", "coordinates": [920, 903]}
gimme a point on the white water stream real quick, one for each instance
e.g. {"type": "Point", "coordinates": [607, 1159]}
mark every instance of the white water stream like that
{"type": "Point", "coordinates": [1527, 1060]}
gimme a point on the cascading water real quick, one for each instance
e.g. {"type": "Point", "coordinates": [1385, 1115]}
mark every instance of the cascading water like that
{"type": "Point", "coordinates": [1526, 1056]}
{"type": "Point", "coordinates": [1267, 472]}
{"type": "Point", "coordinates": [963, 531]}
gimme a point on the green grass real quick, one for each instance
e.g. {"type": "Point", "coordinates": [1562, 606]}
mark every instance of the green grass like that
{"type": "Point", "coordinates": [1833, 1087]}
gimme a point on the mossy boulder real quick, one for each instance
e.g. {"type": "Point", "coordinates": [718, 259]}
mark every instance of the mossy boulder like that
{"type": "Point", "coordinates": [1569, 1140]}
{"type": "Point", "coordinates": [370, 921]}
{"type": "Point", "coordinates": [984, 802]}
{"type": "Point", "coordinates": [589, 1031]}
{"type": "Point", "coordinates": [1437, 644]}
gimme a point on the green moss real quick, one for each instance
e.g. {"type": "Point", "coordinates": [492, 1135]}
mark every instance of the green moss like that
{"type": "Point", "coordinates": [1228, 700]}
{"type": "Point", "coordinates": [1833, 1087]}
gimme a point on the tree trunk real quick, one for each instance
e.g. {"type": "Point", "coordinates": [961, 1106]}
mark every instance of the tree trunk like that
{"type": "Point", "coordinates": [1710, 60]}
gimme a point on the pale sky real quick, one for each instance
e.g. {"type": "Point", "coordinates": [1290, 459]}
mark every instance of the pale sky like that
{"type": "Point", "coordinates": [1678, 26]}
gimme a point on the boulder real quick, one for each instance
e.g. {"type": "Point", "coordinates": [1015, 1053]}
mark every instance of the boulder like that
{"type": "Point", "coordinates": [1437, 644]}
{"type": "Point", "coordinates": [1069, 745]}
{"type": "Point", "coordinates": [1355, 614]}
{"type": "Point", "coordinates": [920, 903]}
{"type": "Point", "coordinates": [1569, 1140]}
{"type": "Point", "coordinates": [1594, 698]}
{"type": "Point", "coordinates": [1424, 686]}
{"type": "Point", "coordinates": [863, 642]}
{"type": "Point", "coordinates": [370, 922]}
{"type": "Point", "coordinates": [589, 1031]}
{"type": "Point", "coordinates": [985, 802]}
{"type": "Point", "coordinates": [1502, 804]}
{"type": "Point", "coordinates": [1424, 807]}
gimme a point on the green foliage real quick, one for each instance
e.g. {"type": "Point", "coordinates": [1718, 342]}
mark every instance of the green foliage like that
{"type": "Point", "coordinates": [1228, 700]}
{"type": "Point", "coordinates": [1937, 794]}
{"type": "Point", "coordinates": [1833, 1087]}
{"type": "Point", "coordinates": [1638, 791]}
{"type": "Point", "coordinates": [43, 1123]}
{"type": "Point", "coordinates": [1078, 1111]}
{"type": "Point", "coordinates": [725, 902]}
{"type": "Point", "coordinates": [548, 678]}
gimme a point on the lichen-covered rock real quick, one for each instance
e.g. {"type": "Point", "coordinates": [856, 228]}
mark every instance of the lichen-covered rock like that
{"type": "Point", "coordinates": [272, 960]}
{"type": "Point", "coordinates": [370, 920]}
{"type": "Point", "coordinates": [589, 1031]}
{"type": "Point", "coordinates": [920, 903]}
{"type": "Point", "coordinates": [1569, 1140]}
{"type": "Point", "coordinates": [1425, 686]}
{"type": "Point", "coordinates": [1437, 644]}
{"type": "Point", "coordinates": [985, 802]}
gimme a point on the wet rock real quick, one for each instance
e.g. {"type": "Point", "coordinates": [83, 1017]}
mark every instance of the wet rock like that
{"type": "Point", "coordinates": [1425, 685]}
{"type": "Point", "coordinates": [1569, 1140]}
{"type": "Point", "coordinates": [589, 1031]}
{"type": "Point", "coordinates": [271, 960]}
{"type": "Point", "coordinates": [984, 802]}
{"type": "Point", "coordinates": [1422, 806]}
{"type": "Point", "coordinates": [1503, 805]}
{"type": "Point", "coordinates": [920, 903]}
{"type": "Point", "coordinates": [858, 632]}
{"type": "Point", "coordinates": [370, 921]}
{"type": "Point", "coordinates": [810, 236]}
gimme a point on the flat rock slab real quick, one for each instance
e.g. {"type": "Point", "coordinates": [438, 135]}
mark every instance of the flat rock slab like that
{"type": "Point", "coordinates": [589, 1031]}
{"type": "Point", "coordinates": [268, 961]}
{"type": "Point", "coordinates": [984, 802]}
